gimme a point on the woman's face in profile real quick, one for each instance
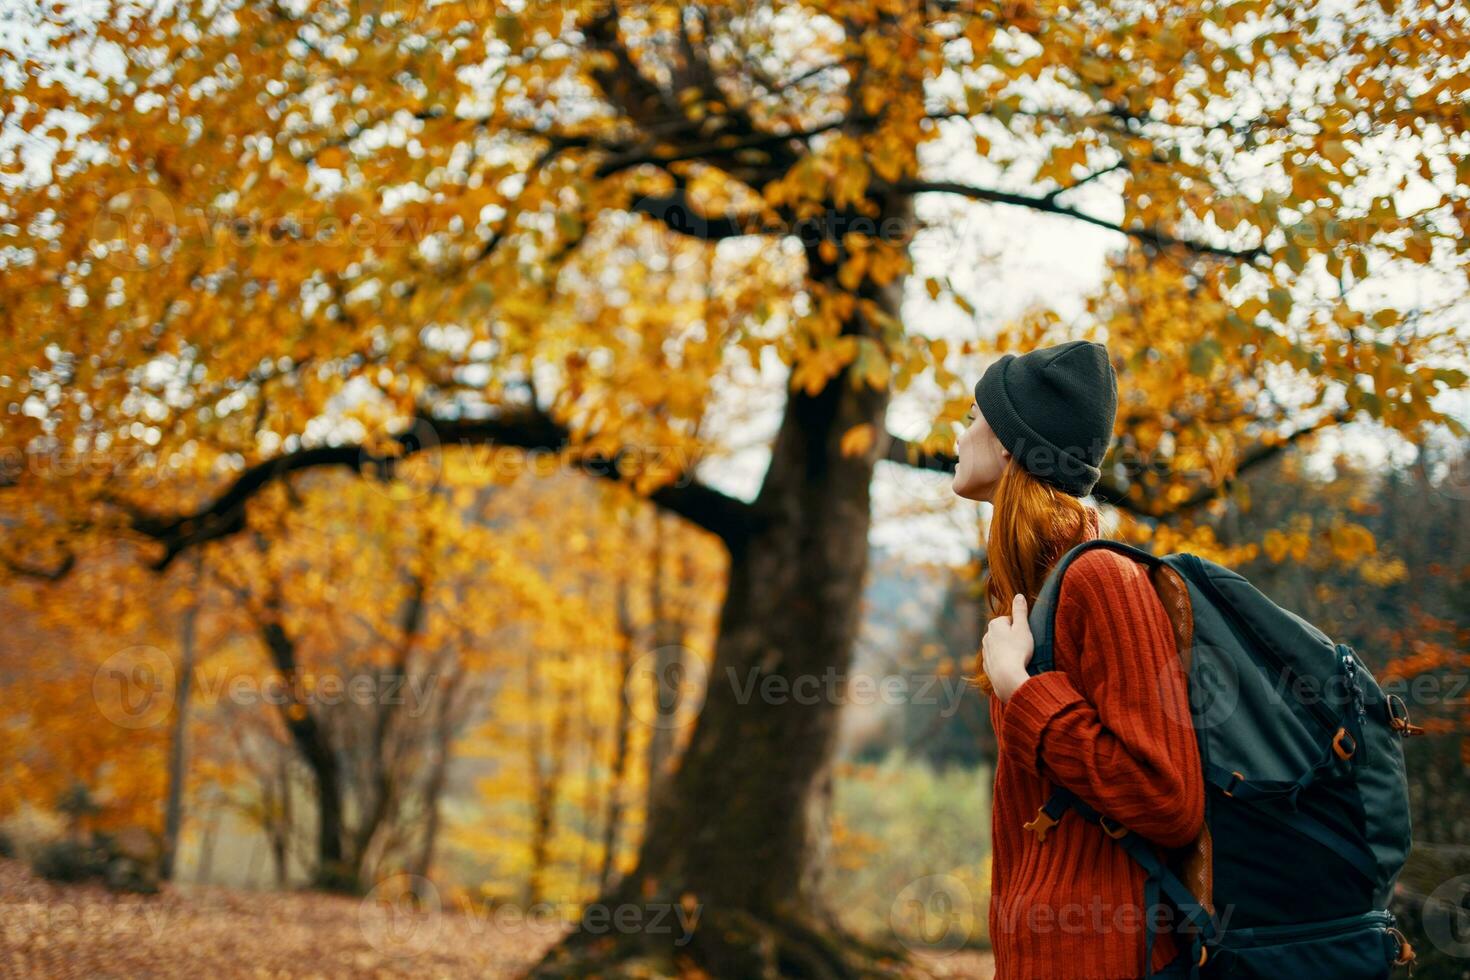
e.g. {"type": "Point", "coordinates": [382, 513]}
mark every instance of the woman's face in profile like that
{"type": "Point", "coordinates": [981, 459]}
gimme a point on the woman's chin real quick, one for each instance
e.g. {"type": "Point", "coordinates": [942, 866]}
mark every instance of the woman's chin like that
{"type": "Point", "coordinates": [979, 491]}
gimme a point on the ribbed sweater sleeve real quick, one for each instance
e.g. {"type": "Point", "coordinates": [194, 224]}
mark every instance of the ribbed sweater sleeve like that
{"type": "Point", "coordinates": [1111, 723]}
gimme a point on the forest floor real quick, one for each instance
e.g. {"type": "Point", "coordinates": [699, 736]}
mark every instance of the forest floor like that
{"type": "Point", "coordinates": [61, 932]}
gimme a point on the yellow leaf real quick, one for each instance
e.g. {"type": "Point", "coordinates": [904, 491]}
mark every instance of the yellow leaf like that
{"type": "Point", "coordinates": [857, 440]}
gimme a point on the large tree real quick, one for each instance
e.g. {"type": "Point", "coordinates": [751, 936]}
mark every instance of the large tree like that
{"type": "Point", "coordinates": [252, 237]}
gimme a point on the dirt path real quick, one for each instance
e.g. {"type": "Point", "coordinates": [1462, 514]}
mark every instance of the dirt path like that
{"type": "Point", "coordinates": [71, 932]}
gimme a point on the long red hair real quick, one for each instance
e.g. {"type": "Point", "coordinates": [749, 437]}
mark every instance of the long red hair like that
{"type": "Point", "coordinates": [1031, 526]}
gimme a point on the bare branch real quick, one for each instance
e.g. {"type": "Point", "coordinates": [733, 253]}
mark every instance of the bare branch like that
{"type": "Point", "coordinates": [679, 215]}
{"type": "Point", "coordinates": [1115, 494]}
{"type": "Point", "coordinates": [1048, 205]}
{"type": "Point", "coordinates": [53, 574]}
{"type": "Point", "coordinates": [726, 516]}
{"type": "Point", "coordinates": [1052, 195]}
{"type": "Point", "coordinates": [1264, 451]}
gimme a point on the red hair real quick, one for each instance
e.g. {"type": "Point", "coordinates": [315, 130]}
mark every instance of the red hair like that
{"type": "Point", "coordinates": [1031, 526]}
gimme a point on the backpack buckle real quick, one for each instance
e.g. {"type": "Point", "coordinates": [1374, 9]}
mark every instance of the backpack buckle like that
{"type": "Point", "coordinates": [1044, 821]}
{"type": "Point", "coordinates": [1112, 828]}
{"type": "Point", "coordinates": [1344, 753]}
{"type": "Point", "coordinates": [1406, 955]}
{"type": "Point", "coordinates": [1239, 778]}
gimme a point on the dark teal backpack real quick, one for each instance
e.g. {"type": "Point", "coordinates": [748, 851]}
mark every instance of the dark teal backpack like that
{"type": "Point", "coordinates": [1306, 802]}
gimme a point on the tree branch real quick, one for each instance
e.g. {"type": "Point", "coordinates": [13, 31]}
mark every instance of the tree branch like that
{"type": "Point", "coordinates": [714, 151]}
{"type": "Point", "coordinates": [1115, 494]}
{"type": "Point", "coordinates": [53, 574]}
{"type": "Point", "coordinates": [1047, 204]}
{"type": "Point", "coordinates": [1111, 493]}
{"type": "Point", "coordinates": [1050, 196]}
{"type": "Point", "coordinates": [679, 215]}
{"type": "Point", "coordinates": [730, 518]}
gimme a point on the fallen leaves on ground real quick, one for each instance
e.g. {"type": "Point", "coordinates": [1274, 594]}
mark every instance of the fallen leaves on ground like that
{"type": "Point", "coordinates": [192, 932]}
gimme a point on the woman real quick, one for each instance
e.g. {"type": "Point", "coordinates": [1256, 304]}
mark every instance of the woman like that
{"type": "Point", "coordinates": [1105, 722]}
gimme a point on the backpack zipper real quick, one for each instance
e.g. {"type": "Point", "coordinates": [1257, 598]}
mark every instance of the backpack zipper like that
{"type": "Point", "coordinates": [1272, 935]}
{"type": "Point", "coordinates": [1248, 637]}
{"type": "Point", "coordinates": [1355, 693]}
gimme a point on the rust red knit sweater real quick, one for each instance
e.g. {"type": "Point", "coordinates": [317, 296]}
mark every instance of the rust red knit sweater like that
{"type": "Point", "coordinates": [1111, 724]}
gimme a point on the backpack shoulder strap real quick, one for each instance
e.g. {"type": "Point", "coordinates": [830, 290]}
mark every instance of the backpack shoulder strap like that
{"type": "Point", "coordinates": [1043, 614]}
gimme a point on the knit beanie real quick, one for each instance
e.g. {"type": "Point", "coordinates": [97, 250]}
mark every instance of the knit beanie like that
{"type": "Point", "coordinates": [1053, 410]}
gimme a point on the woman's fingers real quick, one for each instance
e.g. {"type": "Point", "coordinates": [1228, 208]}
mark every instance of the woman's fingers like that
{"type": "Point", "coordinates": [1018, 612]}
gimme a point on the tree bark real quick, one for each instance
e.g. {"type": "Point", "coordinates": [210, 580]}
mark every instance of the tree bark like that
{"type": "Point", "coordinates": [736, 826]}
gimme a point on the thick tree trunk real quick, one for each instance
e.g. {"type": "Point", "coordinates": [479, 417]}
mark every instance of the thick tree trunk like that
{"type": "Point", "coordinates": [735, 828]}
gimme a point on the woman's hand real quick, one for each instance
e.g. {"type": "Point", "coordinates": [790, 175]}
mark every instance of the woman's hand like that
{"type": "Point", "coordinates": [1007, 649]}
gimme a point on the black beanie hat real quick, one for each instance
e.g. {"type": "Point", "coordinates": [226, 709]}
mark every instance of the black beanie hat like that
{"type": "Point", "coordinates": [1053, 410]}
